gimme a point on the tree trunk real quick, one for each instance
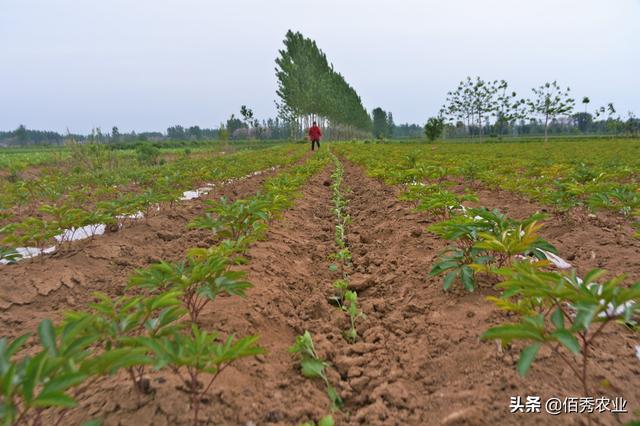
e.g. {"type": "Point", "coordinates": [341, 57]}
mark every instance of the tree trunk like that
{"type": "Point", "coordinates": [546, 126]}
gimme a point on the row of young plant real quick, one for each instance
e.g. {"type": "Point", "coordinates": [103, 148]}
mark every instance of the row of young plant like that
{"type": "Point", "coordinates": [67, 212]}
{"type": "Point", "coordinates": [602, 177]}
{"type": "Point", "coordinates": [551, 304]}
{"type": "Point", "coordinates": [154, 326]}
{"type": "Point", "coordinates": [346, 300]}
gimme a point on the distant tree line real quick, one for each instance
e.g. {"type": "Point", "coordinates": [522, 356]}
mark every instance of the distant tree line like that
{"type": "Point", "coordinates": [478, 107]}
{"type": "Point", "coordinates": [180, 133]}
{"type": "Point", "coordinates": [24, 136]}
{"type": "Point", "coordinates": [234, 128]}
{"type": "Point", "coordinates": [247, 126]}
{"type": "Point", "coordinates": [575, 124]}
{"type": "Point", "coordinates": [407, 131]}
{"type": "Point", "coordinates": [475, 108]}
{"type": "Point", "coordinates": [384, 126]}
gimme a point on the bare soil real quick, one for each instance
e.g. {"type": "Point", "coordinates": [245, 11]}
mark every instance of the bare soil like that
{"type": "Point", "coordinates": [419, 359]}
{"type": "Point", "coordinates": [44, 287]}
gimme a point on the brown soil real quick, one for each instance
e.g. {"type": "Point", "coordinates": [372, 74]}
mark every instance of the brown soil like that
{"type": "Point", "coordinates": [65, 280]}
{"type": "Point", "coordinates": [431, 351]}
{"type": "Point", "coordinates": [418, 361]}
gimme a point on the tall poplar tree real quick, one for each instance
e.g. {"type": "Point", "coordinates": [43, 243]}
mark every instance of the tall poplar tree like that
{"type": "Point", "coordinates": [311, 90]}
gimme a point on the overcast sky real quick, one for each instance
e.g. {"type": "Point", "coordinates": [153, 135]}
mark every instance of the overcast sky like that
{"type": "Point", "coordinates": [149, 64]}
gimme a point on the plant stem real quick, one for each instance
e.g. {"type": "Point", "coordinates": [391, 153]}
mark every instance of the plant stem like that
{"type": "Point", "coordinates": [567, 361]}
{"type": "Point", "coordinates": [585, 362]}
{"type": "Point", "coordinates": [195, 396]}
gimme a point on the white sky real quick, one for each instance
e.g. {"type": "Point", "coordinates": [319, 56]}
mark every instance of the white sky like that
{"type": "Point", "coordinates": [149, 64]}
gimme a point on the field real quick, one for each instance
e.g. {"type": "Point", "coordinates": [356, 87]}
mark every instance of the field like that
{"type": "Point", "coordinates": [377, 283]}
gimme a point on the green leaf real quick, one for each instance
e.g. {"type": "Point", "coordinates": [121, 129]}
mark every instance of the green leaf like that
{"type": "Point", "coordinates": [119, 358]}
{"type": "Point", "coordinates": [593, 275]}
{"type": "Point", "coordinates": [443, 266]}
{"type": "Point", "coordinates": [7, 380]}
{"type": "Point", "coordinates": [54, 399]}
{"type": "Point", "coordinates": [326, 421]}
{"type": "Point", "coordinates": [557, 318]}
{"type": "Point", "coordinates": [567, 339]}
{"type": "Point", "coordinates": [449, 279]}
{"type": "Point", "coordinates": [312, 368]}
{"type": "Point", "coordinates": [48, 337]}
{"type": "Point", "coordinates": [537, 321]}
{"type": "Point", "coordinates": [512, 331]}
{"type": "Point", "coordinates": [14, 346]}
{"type": "Point", "coordinates": [466, 274]}
{"type": "Point", "coordinates": [336, 401]}
{"type": "Point", "coordinates": [32, 375]}
{"type": "Point", "coordinates": [63, 382]}
{"type": "Point", "coordinates": [584, 315]}
{"type": "Point", "coordinates": [527, 356]}
{"type": "Point", "coordinates": [165, 300]}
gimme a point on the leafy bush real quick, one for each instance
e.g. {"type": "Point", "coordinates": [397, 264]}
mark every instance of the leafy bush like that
{"type": "Point", "coordinates": [147, 154]}
{"type": "Point", "coordinates": [433, 129]}
{"type": "Point", "coordinates": [199, 281]}
{"type": "Point", "coordinates": [484, 238]}
{"type": "Point", "coordinates": [65, 362]}
{"type": "Point", "coordinates": [233, 220]}
{"type": "Point", "coordinates": [115, 323]}
{"type": "Point", "coordinates": [199, 353]}
{"type": "Point", "coordinates": [31, 232]}
{"type": "Point", "coordinates": [622, 200]}
{"type": "Point", "coordinates": [456, 264]}
{"type": "Point", "coordinates": [443, 203]}
{"type": "Point", "coordinates": [558, 309]}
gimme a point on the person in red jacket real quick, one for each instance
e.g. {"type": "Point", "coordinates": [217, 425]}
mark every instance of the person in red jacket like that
{"type": "Point", "coordinates": [314, 135]}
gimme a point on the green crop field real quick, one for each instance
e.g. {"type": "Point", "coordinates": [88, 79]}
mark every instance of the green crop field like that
{"type": "Point", "coordinates": [80, 198]}
{"type": "Point", "coordinates": [205, 220]}
{"type": "Point", "coordinates": [595, 173]}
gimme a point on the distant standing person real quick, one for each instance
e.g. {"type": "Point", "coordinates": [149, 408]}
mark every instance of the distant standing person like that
{"type": "Point", "coordinates": [315, 134]}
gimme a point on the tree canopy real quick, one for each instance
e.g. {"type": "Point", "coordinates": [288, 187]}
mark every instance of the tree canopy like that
{"type": "Point", "coordinates": [309, 86]}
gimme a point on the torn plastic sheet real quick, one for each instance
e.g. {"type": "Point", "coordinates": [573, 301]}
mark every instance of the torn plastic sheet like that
{"type": "Point", "coordinates": [77, 234]}
{"type": "Point", "coordinates": [88, 231]}
{"type": "Point", "coordinates": [556, 260]}
{"type": "Point", "coordinates": [29, 253]}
